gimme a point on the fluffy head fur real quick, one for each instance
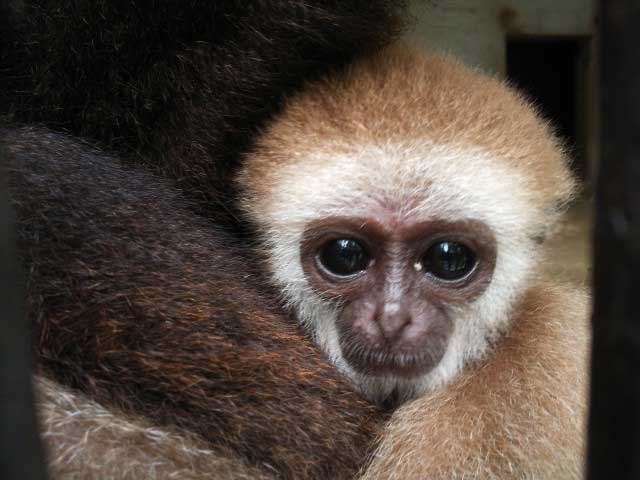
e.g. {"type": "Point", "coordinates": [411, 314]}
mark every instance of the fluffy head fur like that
{"type": "Point", "coordinates": [413, 137]}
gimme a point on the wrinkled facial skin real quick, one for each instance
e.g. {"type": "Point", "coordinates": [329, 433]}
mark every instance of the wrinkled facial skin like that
{"type": "Point", "coordinates": [396, 285]}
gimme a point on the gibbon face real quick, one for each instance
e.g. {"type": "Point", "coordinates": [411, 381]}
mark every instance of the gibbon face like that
{"type": "Point", "coordinates": [403, 203]}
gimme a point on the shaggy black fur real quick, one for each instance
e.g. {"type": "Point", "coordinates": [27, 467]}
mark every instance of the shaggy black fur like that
{"type": "Point", "coordinates": [140, 303]}
{"type": "Point", "coordinates": [138, 296]}
{"type": "Point", "coordinates": [180, 85]}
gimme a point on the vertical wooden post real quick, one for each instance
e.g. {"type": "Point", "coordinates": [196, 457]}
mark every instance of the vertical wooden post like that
{"type": "Point", "coordinates": [614, 424]}
{"type": "Point", "coordinates": [20, 451]}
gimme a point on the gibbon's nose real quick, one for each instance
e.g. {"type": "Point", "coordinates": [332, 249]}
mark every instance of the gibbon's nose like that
{"type": "Point", "coordinates": [393, 320]}
{"type": "Point", "coordinates": [404, 338]}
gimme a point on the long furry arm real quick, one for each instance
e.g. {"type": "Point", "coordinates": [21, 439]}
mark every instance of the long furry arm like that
{"type": "Point", "coordinates": [140, 304]}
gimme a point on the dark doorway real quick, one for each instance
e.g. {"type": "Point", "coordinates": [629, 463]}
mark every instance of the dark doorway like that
{"type": "Point", "coordinates": [551, 71]}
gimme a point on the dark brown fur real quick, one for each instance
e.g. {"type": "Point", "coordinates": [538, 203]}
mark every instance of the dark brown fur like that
{"type": "Point", "coordinates": [182, 86]}
{"type": "Point", "coordinates": [142, 305]}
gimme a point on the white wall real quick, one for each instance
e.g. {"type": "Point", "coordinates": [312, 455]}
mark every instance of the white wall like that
{"type": "Point", "coordinates": [475, 30]}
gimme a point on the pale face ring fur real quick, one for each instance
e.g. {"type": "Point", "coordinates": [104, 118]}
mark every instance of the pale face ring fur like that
{"type": "Point", "coordinates": [418, 137]}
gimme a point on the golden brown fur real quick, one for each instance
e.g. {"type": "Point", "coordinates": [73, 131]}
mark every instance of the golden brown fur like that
{"type": "Point", "coordinates": [518, 415]}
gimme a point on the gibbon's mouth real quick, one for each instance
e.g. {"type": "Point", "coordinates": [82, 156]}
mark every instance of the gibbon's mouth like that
{"type": "Point", "coordinates": [382, 362]}
{"type": "Point", "coordinates": [393, 358]}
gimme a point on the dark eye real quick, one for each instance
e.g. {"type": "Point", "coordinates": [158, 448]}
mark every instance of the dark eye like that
{"type": "Point", "coordinates": [344, 257]}
{"type": "Point", "coordinates": [449, 260]}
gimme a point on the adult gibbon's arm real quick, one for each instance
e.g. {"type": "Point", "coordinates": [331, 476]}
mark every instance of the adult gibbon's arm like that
{"type": "Point", "coordinates": [141, 304]}
{"type": "Point", "coordinates": [181, 86]}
